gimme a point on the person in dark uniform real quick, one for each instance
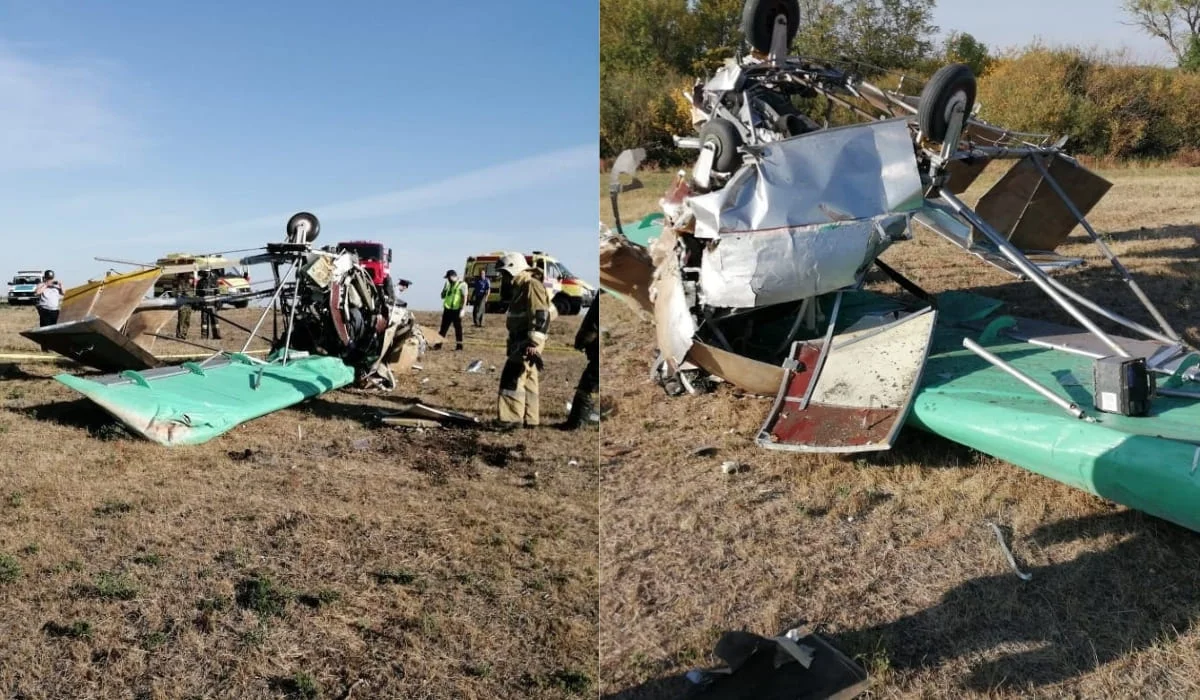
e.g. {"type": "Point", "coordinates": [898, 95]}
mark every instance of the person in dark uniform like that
{"type": "Point", "coordinates": [208, 287]}
{"type": "Point", "coordinates": [479, 295]}
{"type": "Point", "coordinates": [587, 340]}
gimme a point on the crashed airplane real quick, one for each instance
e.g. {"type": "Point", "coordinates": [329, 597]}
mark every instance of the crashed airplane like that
{"type": "Point", "coordinates": [330, 327]}
{"type": "Point", "coordinates": [754, 273]}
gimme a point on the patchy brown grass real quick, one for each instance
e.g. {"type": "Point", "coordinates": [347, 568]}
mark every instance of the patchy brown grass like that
{"type": "Point", "coordinates": [890, 554]}
{"type": "Point", "coordinates": [457, 563]}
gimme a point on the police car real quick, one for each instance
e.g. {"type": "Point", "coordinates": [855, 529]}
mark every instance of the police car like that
{"type": "Point", "coordinates": [21, 288]}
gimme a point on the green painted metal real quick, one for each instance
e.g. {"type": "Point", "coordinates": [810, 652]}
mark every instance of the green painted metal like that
{"type": "Point", "coordinates": [1147, 463]}
{"type": "Point", "coordinates": [642, 230]}
{"type": "Point", "coordinates": [188, 407]}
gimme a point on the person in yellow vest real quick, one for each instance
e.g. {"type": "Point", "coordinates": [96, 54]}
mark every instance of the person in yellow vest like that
{"type": "Point", "coordinates": [454, 300]}
{"type": "Point", "coordinates": [528, 322]}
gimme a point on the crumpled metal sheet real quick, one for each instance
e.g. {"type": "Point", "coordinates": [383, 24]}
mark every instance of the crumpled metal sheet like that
{"type": "Point", "coordinates": [112, 298]}
{"type": "Point", "coordinates": [192, 404]}
{"type": "Point", "coordinates": [626, 268]}
{"type": "Point", "coordinates": [772, 267]}
{"type": "Point", "coordinates": [91, 341]}
{"type": "Point", "coordinates": [673, 323]}
{"type": "Point", "coordinates": [852, 172]}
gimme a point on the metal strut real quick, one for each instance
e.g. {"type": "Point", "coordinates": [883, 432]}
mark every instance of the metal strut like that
{"type": "Point", "coordinates": [1108, 253]}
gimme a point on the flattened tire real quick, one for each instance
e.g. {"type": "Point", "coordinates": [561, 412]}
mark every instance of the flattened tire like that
{"type": "Point", "coordinates": [725, 137]}
{"type": "Point", "coordinates": [950, 86]}
{"type": "Point", "coordinates": [758, 21]}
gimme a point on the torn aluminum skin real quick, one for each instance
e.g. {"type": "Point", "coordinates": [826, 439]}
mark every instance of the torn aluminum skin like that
{"type": "Point", "coordinates": [852, 393]}
{"type": "Point", "coordinates": [807, 215]}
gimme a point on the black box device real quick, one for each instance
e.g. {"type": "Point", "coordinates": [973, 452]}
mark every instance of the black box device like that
{"type": "Point", "coordinates": [1123, 385]}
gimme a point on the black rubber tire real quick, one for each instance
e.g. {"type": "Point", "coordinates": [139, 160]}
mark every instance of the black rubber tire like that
{"type": "Point", "coordinates": [562, 303]}
{"type": "Point", "coordinates": [576, 306]}
{"type": "Point", "coordinates": [950, 85]}
{"type": "Point", "coordinates": [758, 21]}
{"type": "Point", "coordinates": [725, 136]}
{"type": "Point", "coordinates": [241, 304]}
{"type": "Point", "coordinates": [314, 227]}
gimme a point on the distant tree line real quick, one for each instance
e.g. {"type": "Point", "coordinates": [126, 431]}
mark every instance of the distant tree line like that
{"type": "Point", "coordinates": [653, 50]}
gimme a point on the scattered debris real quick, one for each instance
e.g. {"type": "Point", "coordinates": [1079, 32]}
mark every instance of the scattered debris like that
{"type": "Point", "coordinates": [475, 367]}
{"type": "Point", "coordinates": [1008, 554]}
{"type": "Point", "coordinates": [793, 665]}
{"type": "Point", "coordinates": [419, 415]}
{"type": "Point", "coordinates": [704, 451]}
{"type": "Point", "coordinates": [332, 326]}
{"type": "Point", "coordinates": [732, 467]}
{"type": "Point", "coordinates": [755, 272]}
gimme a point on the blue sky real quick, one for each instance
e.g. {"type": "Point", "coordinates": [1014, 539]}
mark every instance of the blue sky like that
{"type": "Point", "coordinates": [1015, 23]}
{"type": "Point", "coordinates": [137, 128]}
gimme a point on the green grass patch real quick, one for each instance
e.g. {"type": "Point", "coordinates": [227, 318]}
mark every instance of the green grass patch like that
{"type": "Point", "coordinates": [109, 586]}
{"type": "Point", "coordinates": [261, 595]}
{"type": "Point", "coordinates": [10, 569]}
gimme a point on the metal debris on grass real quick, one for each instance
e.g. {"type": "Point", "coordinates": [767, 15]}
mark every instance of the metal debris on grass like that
{"type": "Point", "coordinates": [1008, 554]}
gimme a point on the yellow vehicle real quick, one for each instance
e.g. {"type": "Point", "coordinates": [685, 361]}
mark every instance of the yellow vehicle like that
{"type": "Point", "coordinates": [181, 273]}
{"type": "Point", "coordinates": [569, 292]}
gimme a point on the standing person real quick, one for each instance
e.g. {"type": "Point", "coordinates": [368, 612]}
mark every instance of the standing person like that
{"type": "Point", "coordinates": [402, 286]}
{"type": "Point", "coordinates": [483, 287]}
{"type": "Point", "coordinates": [587, 340]}
{"type": "Point", "coordinates": [528, 322]}
{"type": "Point", "coordinates": [49, 299]}
{"type": "Point", "coordinates": [454, 301]}
{"type": "Point", "coordinates": [183, 322]}
{"type": "Point", "coordinates": [209, 288]}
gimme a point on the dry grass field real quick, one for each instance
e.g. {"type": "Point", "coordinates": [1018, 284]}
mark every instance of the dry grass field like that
{"type": "Point", "coordinates": [305, 554]}
{"type": "Point", "coordinates": [890, 555]}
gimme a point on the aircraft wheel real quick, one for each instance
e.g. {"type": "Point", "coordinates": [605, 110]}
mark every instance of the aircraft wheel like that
{"type": "Point", "coordinates": [758, 21]}
{"type": "Point", "coordinates": [951, 86]}
{"type": "Point", "coordinates": [724, 136]}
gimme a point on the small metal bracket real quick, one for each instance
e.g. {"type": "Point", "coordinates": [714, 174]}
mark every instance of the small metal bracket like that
{"type": "Point", "coordinates": [135, 377]}
{"type": "Point", "coordinates": [779, 42]}
{"type": "Point", "coordinates": [991, 332]}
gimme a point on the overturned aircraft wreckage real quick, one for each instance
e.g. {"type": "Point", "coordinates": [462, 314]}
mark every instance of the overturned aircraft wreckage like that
{"type": "Point", "coordinates": [330, 327]}
{"type": "Point", "coordinates": [754, 273]}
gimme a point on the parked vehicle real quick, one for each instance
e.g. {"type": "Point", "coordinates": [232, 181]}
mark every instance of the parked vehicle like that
{"type": "Point", "coordinates": [376, 259]}
{"type": "Point", "coordinates": [569, 292]}
{"type": "Point", "coordinates": [21, 288]}
{"type": "Point", "coordinates": [181, 272]}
